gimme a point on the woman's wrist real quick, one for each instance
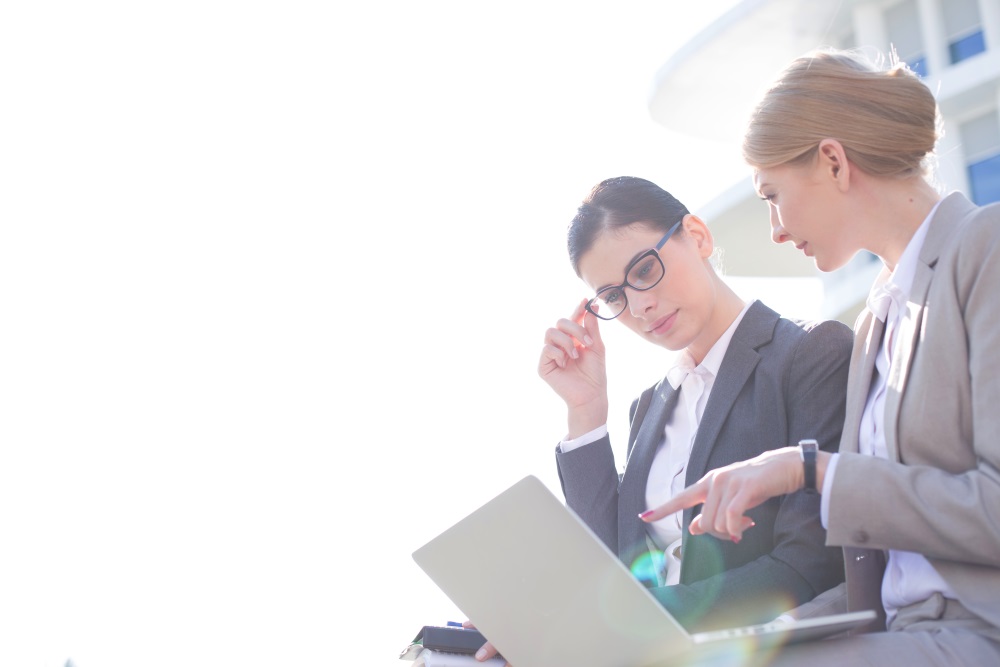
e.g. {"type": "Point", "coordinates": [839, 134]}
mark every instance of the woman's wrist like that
{"type": "Point", "coordinates": [794, 471]}
{"type": "Point", "coordinates": [584, 419]}
{"type": "Point", "coordinates": [797, 467]}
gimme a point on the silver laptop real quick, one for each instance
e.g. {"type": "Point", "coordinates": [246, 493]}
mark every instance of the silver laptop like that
{"type": "Point", "coordinates": [546, 591]}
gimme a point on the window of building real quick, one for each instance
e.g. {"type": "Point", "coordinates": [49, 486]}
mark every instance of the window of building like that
{"type": "Point", "coordinates": [902, 24]}
{"type": "Point", "coordinates": [964, 29]}
{"type": "Point", "coordinates": [981, 143]}
{"type": "Point", "coordinates": [984, 177]}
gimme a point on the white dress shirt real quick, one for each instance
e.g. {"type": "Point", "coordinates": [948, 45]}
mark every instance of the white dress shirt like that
{"type": "Point", "coordinates": [909, 577]}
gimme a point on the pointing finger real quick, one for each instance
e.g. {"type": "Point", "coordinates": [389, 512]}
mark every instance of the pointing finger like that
{"type": "Point", "coordinates": [689, 497]}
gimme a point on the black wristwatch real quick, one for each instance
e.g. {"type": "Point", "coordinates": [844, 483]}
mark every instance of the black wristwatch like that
{"type": "Point", "coordinates": [807, 450]}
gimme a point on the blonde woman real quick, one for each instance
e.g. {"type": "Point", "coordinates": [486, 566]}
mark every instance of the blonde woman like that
{"type": "Point", "coordinates": [839, 149]}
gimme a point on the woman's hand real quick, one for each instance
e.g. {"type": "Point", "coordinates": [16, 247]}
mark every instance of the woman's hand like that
{"type": "Point", "coordinates": [729, 492]}
{"type": "Point", "coordinates": [572, 363]}
{"type": "Point", "coordinates": [487, 650]}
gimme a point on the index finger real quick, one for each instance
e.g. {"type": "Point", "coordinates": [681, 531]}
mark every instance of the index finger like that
{"type": "Point", "coordinates": [689, 497]}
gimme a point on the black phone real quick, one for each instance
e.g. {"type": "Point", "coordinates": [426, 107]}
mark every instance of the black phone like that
{"type": "Point", "coordinates": [451, 639]}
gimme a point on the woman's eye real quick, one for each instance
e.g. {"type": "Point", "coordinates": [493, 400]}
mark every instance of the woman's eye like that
{"type": "Point", "coordinates": [611, 296]}
{"type": "Point", "coordinates": [643, 272]}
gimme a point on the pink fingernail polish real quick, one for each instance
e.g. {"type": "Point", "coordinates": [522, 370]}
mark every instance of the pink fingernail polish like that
{"type": "Point", "coordinates": [645, 514]}
{"type": "Point", "coordinates": [736, 539]}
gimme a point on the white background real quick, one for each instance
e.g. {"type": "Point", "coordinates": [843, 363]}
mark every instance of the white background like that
{"type": "Point", "coordinates": [273, 283]}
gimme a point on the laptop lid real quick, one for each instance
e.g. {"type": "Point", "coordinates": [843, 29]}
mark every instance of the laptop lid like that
{"type": "Point", "coordinates": [544, 589]}
{"type": "Point", "coordinates": [547, 591]}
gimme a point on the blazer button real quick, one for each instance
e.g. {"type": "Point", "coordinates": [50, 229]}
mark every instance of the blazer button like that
{"type": "Point", "coordinates": [860, 536]}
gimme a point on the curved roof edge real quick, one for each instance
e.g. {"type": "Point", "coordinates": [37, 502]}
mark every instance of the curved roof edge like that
{"type": "Point", "coordinates": [705, 36]}
{"type": "Point", "coordinates": [707, 88]}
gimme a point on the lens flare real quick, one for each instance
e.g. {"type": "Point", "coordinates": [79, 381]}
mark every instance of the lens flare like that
{"type": "Point", "coordinates": [649, 567]}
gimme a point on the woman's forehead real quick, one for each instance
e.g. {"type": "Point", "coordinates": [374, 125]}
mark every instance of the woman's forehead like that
{"type": "Point", "coordinates": [619, 239]}
{"type": "Point", "coordinates": [612, 251]}
{"type": "Point", "coordinates": [635, 230]}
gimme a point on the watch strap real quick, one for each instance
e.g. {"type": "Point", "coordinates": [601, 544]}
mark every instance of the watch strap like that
{"type": "Point", "coordinates": [807, 450]}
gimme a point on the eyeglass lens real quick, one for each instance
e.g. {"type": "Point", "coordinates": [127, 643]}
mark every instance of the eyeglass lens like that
{"type": "Point", "coordinates": [643, 275]}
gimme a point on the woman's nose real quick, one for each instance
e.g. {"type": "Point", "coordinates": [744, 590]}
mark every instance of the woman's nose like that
{"type": "Point", "coordinates": [640, 302]}
{"type": "Point", "coordinates": [778, 233]}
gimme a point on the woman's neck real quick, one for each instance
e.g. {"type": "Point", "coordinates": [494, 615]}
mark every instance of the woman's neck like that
{"type": "Point", "coordinates": [728, 306]}
{"type": "Point", "coordinates": [896, 210]}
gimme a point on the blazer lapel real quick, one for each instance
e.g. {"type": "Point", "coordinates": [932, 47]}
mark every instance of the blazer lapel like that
{"type": "Point", "coordinates": [756, 329]}
{"type": "Point", "coordinates": [906, 339]}
{"type": "Point", "coordinates": [904, 345]}
{"type": "Point", "coordinates": [860, 377]}
{"type": "Point", "coordinates": [632, 490]}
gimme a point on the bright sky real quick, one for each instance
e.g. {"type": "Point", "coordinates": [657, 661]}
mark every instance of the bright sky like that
{"type": "Point", "coordinates": [274, 279]}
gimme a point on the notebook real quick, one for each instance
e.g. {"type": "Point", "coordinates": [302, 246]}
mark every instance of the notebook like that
{"type": "Point", "coordinates": [554, 594]}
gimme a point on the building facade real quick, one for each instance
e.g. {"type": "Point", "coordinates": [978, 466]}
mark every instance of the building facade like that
{"type": "Point", "coordinates": [954, 45]}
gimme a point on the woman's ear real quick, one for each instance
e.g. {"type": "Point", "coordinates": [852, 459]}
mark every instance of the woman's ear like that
{"type": "Point", "coordinates": [698, 231]}
{"type": "Point", "coordinates": [833, 163]}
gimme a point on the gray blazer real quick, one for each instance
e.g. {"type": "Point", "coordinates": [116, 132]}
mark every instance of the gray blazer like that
{"type": "Point", "coordinates": [779, 382]}
{"type": "Point", "coordinates": [939, 495]}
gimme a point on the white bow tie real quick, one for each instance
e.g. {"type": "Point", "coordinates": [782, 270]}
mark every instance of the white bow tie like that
{"type": "Point", "coordinates": [882, 297]}
{"type": "Point", "coordinates": [677, 374]}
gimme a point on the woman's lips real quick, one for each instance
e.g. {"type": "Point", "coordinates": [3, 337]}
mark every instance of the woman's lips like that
{"type": "Point", "coordinates": [663, 325]}
{"type": "Point", "coordinates": [804, 247]}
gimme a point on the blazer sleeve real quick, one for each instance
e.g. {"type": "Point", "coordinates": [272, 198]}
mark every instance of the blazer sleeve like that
{"type": "Point", "coordinates": [946, 505]}
{"type": "Point", "coordinates": [799, 565]}
{"type": "Point", "coordinates": [590, 480]}
{"type": "Point", "coordinates": [590, 485]}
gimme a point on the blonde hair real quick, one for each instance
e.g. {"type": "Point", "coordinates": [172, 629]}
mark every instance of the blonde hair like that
{"type": "Point", "coordinates": [886, 119]}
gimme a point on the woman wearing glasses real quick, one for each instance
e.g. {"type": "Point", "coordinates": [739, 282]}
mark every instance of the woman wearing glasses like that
{"type": "Point", "coordinates": [747, 381]}
{"type": "Point", "coordinates": [839, 149]}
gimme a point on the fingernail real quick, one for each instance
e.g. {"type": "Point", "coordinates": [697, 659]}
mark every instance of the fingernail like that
{"type": "Point", "coordinates": [736, 539]}
{"type": "Point", "coordinates": [480, 654]}
{"type": "Point", "coordinates": [646, 514]}
{"type": "Point", "coordinates": [575, 354]}
{"type": "Point", "coordinates": [588, 340]}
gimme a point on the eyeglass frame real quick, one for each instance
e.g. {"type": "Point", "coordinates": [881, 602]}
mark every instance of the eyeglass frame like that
{"type": "Point", "coordinates": [655, 252]}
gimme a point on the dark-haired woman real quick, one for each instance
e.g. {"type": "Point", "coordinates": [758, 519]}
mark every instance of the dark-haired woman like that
{"type": "Point", "coordinates": [747, 381]}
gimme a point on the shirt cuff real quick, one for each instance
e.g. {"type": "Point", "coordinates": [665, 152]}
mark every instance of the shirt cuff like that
{"type": "Point", "coordinates": [585, 439]}
{"type": "Point", "coordinates": [824, 502]}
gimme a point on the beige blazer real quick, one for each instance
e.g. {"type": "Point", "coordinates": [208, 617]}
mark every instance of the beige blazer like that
{"type": "Point", "coordinates": [939, 494]}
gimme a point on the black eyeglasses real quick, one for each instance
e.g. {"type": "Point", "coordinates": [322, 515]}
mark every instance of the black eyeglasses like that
{"type": "Point", "coordinates": [642, 274]}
